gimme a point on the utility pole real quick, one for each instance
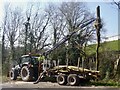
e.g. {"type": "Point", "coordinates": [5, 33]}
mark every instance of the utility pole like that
{"type": "Point", "coordinates": [98, 26]}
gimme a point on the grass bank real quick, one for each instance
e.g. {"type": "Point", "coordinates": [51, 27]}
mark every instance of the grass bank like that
{"type": "Point", "coordinates": [106, 46]}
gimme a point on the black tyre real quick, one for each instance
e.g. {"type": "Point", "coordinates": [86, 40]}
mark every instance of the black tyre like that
{"type": "Point", "coordinates": [62, 79]}
{"type": "Point", "coordinates": [26, 73]}
{"type": "Point", "coordinates": [73, 80]}
{"type": "Point", "coordinates": [13, 74]}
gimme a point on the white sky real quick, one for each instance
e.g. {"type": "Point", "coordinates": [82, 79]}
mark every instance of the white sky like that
{"type": "Point", "coordinates": [18, 2]}
{"type": "Point", "coordinates": [23, 3]}
{"type": "Point", "coordinates": [1, 10]}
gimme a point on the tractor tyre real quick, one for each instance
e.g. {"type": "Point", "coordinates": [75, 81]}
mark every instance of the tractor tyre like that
{"type": "Point", "coordinates": [62, 79]}
{"type": "Point", "coordinates": [73, 80]}
{"type": "Point", "coordinates": [13, 74]}
{"type": "Point", "coordinates": [26, 73]}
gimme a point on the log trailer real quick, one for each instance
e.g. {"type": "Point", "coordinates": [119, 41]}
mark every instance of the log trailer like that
{"type": "Point", "coordinates": [65, 74]}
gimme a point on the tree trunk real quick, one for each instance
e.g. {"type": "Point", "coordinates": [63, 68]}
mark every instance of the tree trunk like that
{"type": "Point", "coordinates": [98, 27]}
{"type": "Point", "coordinates": [25, 45]}
{"type": "Point", "coordinates": [12, 51]}
{"type": "Point", "coordinates": [97, 56]}
{"type": "Point", "coordinates": [3, 48]}
{"type": "Point", "coordinates": [31, 41]}
{"type": "Point", "coordinates": [55, 37]}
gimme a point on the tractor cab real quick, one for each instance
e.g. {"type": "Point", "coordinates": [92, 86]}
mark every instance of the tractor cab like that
{"type": "Point", "coordinates": [27, 59]}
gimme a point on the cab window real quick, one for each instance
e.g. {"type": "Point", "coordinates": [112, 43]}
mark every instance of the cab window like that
{"type": "Point", "coordinates": [25, 59]}
{"type": "Point", "coordinates": [35, 60]}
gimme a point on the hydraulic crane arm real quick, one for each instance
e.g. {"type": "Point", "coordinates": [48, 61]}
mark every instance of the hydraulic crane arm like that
{"type": "Point", "coordinates": [66, 38]}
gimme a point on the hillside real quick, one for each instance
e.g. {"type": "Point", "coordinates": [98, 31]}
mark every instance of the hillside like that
{"type": "Point", "coordinates": [106, 46]}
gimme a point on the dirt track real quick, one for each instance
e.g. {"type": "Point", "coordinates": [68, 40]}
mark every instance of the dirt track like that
{"type": "Point", "coordinates": [21, 84]}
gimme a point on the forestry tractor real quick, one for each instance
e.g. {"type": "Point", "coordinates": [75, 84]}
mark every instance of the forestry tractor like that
{"type": "Point", "coordinates": [27, 68]}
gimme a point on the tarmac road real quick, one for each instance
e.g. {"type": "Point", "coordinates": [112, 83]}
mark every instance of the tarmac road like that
{"type": "Point", "coordinates": [21, 85]}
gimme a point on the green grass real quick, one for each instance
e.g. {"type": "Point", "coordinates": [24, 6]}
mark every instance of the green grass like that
{"type": "Point", "coordinates": [106, 83]}
{"type": "Point", "coordinates": [106, 46]}
{"type": "Point", "coordinates": [110, 83]}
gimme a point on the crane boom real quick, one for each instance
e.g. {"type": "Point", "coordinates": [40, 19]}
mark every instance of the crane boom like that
{"type": "Point", "coordinates": [66, 38]}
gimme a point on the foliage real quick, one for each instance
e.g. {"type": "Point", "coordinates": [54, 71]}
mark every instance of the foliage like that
{"type": "Point", "coordinates": [105, 83]}
{"type": "Point", "coordinates": [109, 52]}
{"type": "Point", "coordinates": [59, 54]}
{"type": "Point", "coordinates": [107, 63]}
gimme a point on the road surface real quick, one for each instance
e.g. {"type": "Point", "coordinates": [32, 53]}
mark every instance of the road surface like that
{"type": "Point", "coordinates": [21, 85]}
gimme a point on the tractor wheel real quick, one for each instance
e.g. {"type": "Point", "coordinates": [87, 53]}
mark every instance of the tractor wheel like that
{"type": "Point", "coordinates": [13, 74]}
{"type": "Point", "coordinates": [26, 73]}
{"type": "Point", "coordinates": [62, 79]}
{"type": "Point", "coordinates": [73, 80]}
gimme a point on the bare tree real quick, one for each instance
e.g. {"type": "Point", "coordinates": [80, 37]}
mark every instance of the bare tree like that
{"type": "Point", "coordinates": [117, 4]}
{"type": "Point", "coordinates": [12, 25]}
{"type": "Point", "coordinates": [76, 14]}
{"type": "Point", "coordinates": [27, 30]}
{"type": "Point", "coordinates": [57, 23]}
{"type": "Point", "coordinates": [3, 38]}
{"type": "Point", "coordinates": [36, 34]}
{"type": "Point", "coordinates": [27, 27]}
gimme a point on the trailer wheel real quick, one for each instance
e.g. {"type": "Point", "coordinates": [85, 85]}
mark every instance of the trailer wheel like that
{"type": "Point", "coordinates": [73, 80]}
{"type": "Point", "coordinates": [26, 73]}
{"type": "Point", "coordinates": [13, 74]}
{"type": "Point", "coordinates": [62, 79]}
